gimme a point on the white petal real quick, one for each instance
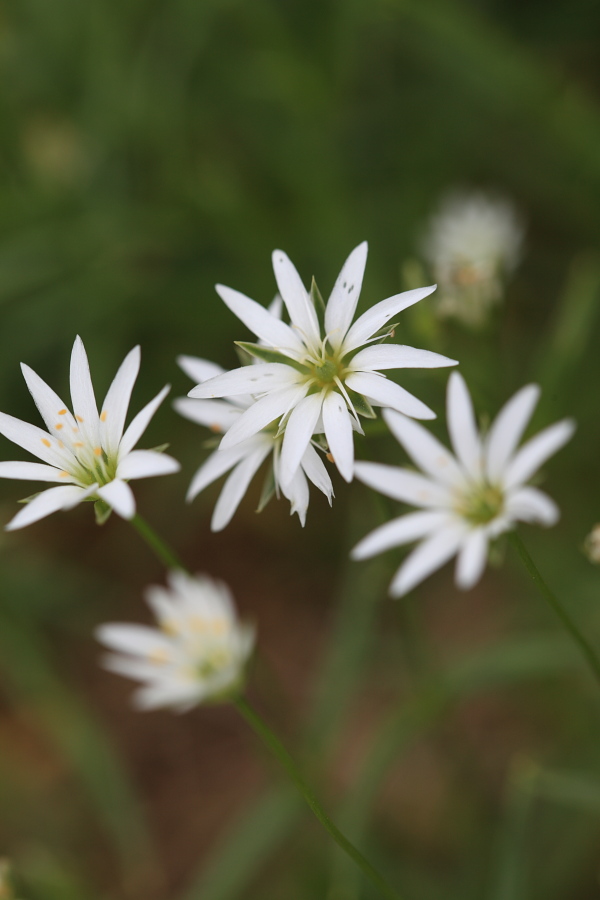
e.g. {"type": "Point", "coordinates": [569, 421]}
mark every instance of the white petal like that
{"type": "Point", "coordinates": [119, 496]}
{"type": "Point", "coordinates": [218, 415]}
{"type": "Point", "coordinates": [139, 424]}
{"type": "Point", "coordinates": [261, 414]}
{"type": "Point", "coordinates": [132, 667]}
{"type": "Point", "coordinates": [28, 471]}
{"type": "Point", "coordinates": [52, 409]}
{"type": "Point", "coordinates": [397, 356]}
{"type": "Point", "coordinates": [471, 559]}
{"type": "Point", "coordinates": [199, 370]}
{"type": "Point", "coordinates": [266, 327]}
{"type": "Point", "coordinates": [425, 450]}
{"type": "Point", "coordinates": [247, 380]}
{"type": "Point", "coordinates": [275, 307]}
{"type": "Point", "coordinates": [341, 305]}
{"type": "Point", "coordinates": [430, 555]}
{"type": "Point", "coordinates": [298, 432]}
{"type": "Point", "coordinates": [217, 464]}
{"type": "Point", "coordinates": [82, 393]}
{"type": "Point", "coordinates": [294, 295]}
{"type": "Point", "coordinates": [298, 495]}
{"type": "Point", "coordinates": [383, 392]}
{"type": "Point", "coordinates": [507, 429]}
{"type": "Point", "coordinates": [531, 505]}
{"type": "Point", "coordinates": [116, 402]}
{"type": "Point", "coordinates": [376, 317]}
{"type": "Point", "coordinates": [31, 438]}
{"type": "Point", "coordinates": [139, 640]}
{"type": "Point", "coordinates": [535, 452]}
{"type": "Point", "coordinates": [313, 467]}
{"type": "Point", "coordinates": [462, 426]}
{"type": "Point", "coordinates": [403, 485]}
{"type": "Point", "coordinates": [338, 431]}
{"type": "Point", "coordinates": [235, 487]}
{"type": "Point", "coordinates": [64, 497]}
{"type": "Point", "coordinates": [397, 532]}
{"type": "Point", "coordinates": [146, 464]}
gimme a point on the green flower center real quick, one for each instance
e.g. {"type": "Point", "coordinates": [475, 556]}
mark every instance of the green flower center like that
{"type": "Point", "coordinates": [325, 370]}
{"type": "Point", "coordinates": [484, 504]}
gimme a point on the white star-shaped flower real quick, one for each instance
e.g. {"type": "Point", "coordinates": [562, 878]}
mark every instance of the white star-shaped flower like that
{"type": "Point", "coordinates": [85, 453]}
{"type": "Point", "coordinates": [317, 376]}
{"type": "Point", "coordinates": [466, 499]}
{"type": "Point", "coordinates": [198, 654]}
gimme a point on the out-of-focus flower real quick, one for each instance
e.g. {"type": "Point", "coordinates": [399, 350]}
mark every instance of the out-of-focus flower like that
{"type": "Point", "coordinates": [468, 498]}
{"type": "Point", "coordinates": [472, 244]}
{"type": "Point", "coordinates": [592, 545]}
{"type": "Point", "coordinates": [245, 458]}
{"type": "Point", "coordinates": [6, 890]}
{"type": "Point", "coordinates": [199, 653]}
{"type": "Point", "coordinates": [86, 454]}
{"type": "Point", "coordinates": [318, 374]}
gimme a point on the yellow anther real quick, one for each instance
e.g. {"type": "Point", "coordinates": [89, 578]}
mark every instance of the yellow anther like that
{"type": "Point", "coordinates": [103, 416]}
{"type": "Point", "coordinates": [159, 656]}
{"type": "Point", "coordinates": [64, 474]}
{"type": "Point", "coordinates": [216, 428]}
{"type": "Point", "coordinates": [59, 426]}
{"type": "Point", "coordinates": [79, 419]}
{"type": "Point", "coordinates": [169, 627]}
{"type": "Point", "coordinates": [97, 451]}
{"type": "Point", "coordinates": [219, 626]}
{"type": "Point", "coordinates": [62, 412]}
{"type": "Point", "coordinates": [78, 444]}
{"type": "Point", "coordinates": [46, 442]}
{"type": "Point", "coordinates": [75, 430]}
{"type": "Point", "coordinates": [198, 624]}
{"type": "Point", "coordinates": [330, 458]}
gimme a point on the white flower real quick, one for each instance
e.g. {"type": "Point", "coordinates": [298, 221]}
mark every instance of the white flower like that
{"type": "Point", "coordinates": [466, 499]}
{"type": "Point", "coordinates": [245, 458]}
{"type": "Point", "coordinates": [198, 654]}
{"type": "Point", "coordinates": [592, 545]}
{"type": "Point", "coordinates": [317, 377]}
{"type": "Point", "coordinates": [85, 453]}
{"type": "Point", "coordinates": [474, 241]}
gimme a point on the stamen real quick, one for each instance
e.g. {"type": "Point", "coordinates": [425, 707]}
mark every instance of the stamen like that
{"type": "Point", "coordinates": [97, 451]}
{"type": "Point", "coordinates": [79, 444]}
{"type": "Point", "coordinates": [62, 412]}
{"type": "Point", "coordinates": [46, 442]}
{"type": "Point", "coordinates": [215, 428]}
{"type": "Point", "coordinates": [330, 457]}
{"type": "Point", "coordinates": [79, 419]}
{"type": "Point", "coordinates": [59, 426]}
{"type": "Point", "coordinates": [64, 474]}
{"type": "Point", "coordinates": [103, 416]}
{"type": "Point", "coordinates": [159, 656]}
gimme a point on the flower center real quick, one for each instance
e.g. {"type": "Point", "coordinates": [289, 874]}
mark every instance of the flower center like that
{"type": "Point", "coordinates": [325, 368]}
{"type": "Point", "coordinates": [483, 505]}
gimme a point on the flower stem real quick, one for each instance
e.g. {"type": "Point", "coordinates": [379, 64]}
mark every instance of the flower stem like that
{"type": "Point", "coordinates": [156, 544]}
{"type": "Point", "coordinates": [585, 647]}
{"type": "Point", "coordinates": [278, 750]}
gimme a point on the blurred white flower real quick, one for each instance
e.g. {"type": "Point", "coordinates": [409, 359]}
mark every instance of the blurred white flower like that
{"type": "Point", "coordinates": [87, 454]}
{"type": "Point", "coordinates": [245, 458]}
{"type": "Point", "coordinates": [592, 545]}
{"type": "Point", "coordinates": [472, 244]}
{"type": "Point", "coordinates": [318, 376]}
{"type": "Point", "coordinates": [466, 499]}
{"type": "Point", "coordinates": [197, 654]}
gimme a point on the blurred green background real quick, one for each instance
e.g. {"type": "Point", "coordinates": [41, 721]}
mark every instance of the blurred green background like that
{"type": "Point", "coordinates": [149, 149]}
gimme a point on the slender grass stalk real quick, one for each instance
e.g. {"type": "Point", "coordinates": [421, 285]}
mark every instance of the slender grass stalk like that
{"type": "Point", "coordinates": [278, 750]}
{"type": "Point", "coordinates": [158, 546]}
{"type": "Point", "coordinates": [585, 647]}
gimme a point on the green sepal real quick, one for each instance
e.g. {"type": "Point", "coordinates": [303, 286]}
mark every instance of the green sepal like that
{"type": "Point", "coordinates": [28, 500]}
{"type": "Point", "coordinates": [317, 301]}
{"type": "Point", "coordinates": [361, 405]}
{"type": "Point", "coordinates": [266, 354]}
{"type": "Point", "coordinates": [161, 448]}
{"type": "Point", "coordinates": [268, 490]}
{"type": "Point", "coordinates": [244, 356]}
{"type": "Point", "coordinates": [212, 443]}
{"type": "Point", "coordinates": [102, 511]}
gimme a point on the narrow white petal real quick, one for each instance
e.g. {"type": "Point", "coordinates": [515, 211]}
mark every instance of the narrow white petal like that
{"type": "Point", "coordinates": [261, 414]}
{"type": "Point", "coordinates": [261, 322]}
{"type": "Point", "coordinates": [218, 415]}
{"type": "Point", "coordinates": [33, 439]}
{"type": "Point", "coordinates": [338, 431]}
{"type": "Point", "coordinates": [376, 317]}
{"type": "Point", "coordinates": [235, 487]}
{"type": "Point", "coordinates": [116, 402]}
{"type": "Point", "coordinates": [146, 464]}
{"type": "Point", "coordinates": [403, 485]}
{"type": "Point", "coordinates": [430, 555]}
{"type": "Point", "coordinates": [471, 559]}
{"type": "Point", "coordinates": [28, 471]}
{"type": "Point", "coordinates": [64, 497]}
{"type": "Point", "coordinates": [397, 532]}
{"type": "Point", "coordinates": [82, 393]}
{"type": "Point", "coordinates": [383, 392]}
{"type": "Point", "coordinates": [119, 496]}
{"type": "Point", "coordinates": [275, 307]}
{"type": "Point", "coordinates": [313, 467]}
{"type": "Point", "coordinates": [139, 640]}
{"type": "Point", "coordinates": [52, 409]}
{"type": "Point", "coordinates": [294, 295]}
{"type": "Point", "coordinates": [507, 429]}
{"type": "Point", "coordinates": [175, 693]}
{"type": "Point", "coordinates": [132, 667]}
{"type": "Point", "coordinates": [298, 494]}
{"type": "Point", "coordinates": [535, 452]}
{"type": "Point", "coordinates": [424, 449]}
{"type": "Point", "coordinates": [139, 424]}
{"type": "Point", "coordinates": [199, 370]}
{"type": "Point", "coordinates": [462, 426]}
{"type": "Point", "coordinates": [299, 429]}
{"type": "Point", "coordinates": [253, 379]}
{"type": "Point", "coordinates": [341, 305]}
{"type": "Point", "coordinates": [217, 464]}
{"type": "Point", "coordinates": [398, 356]}
{"type": "Point", "coordinates": [531, 505]}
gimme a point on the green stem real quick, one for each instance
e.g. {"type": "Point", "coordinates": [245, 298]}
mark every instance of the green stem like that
{"type": "Point", "coordinates": [278, 750]}
{"type": "Point", "coordinates": [156, 544]}
{"type": "Point", "coordinates": [585, 647]}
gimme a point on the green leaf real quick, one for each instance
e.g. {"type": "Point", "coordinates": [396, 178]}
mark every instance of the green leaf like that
{"type": "Point", "coordinates": [102, 511]}
{"type": "Point", "coordinates": [272, 356]}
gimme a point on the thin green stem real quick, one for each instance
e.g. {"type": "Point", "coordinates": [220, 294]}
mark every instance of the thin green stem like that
{"type": "Point", "coordinates": [159, 547]}
{"type": "Point", "coordinates": [278, 750]}
{"type": "Point", "coordinates": [585, 647]}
